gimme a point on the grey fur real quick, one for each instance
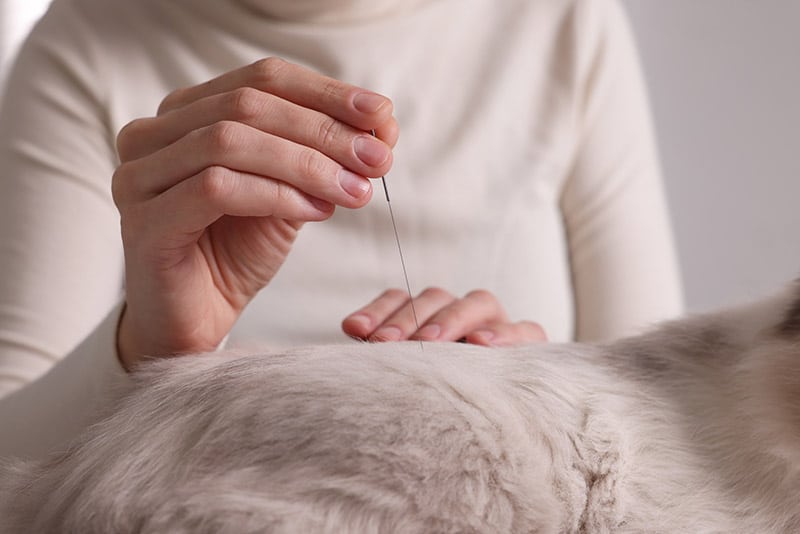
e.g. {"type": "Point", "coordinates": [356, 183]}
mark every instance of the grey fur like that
{"type": "Point", "coordinates": [694, 427]}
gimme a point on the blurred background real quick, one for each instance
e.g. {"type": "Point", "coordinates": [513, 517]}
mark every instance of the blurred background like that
{"type": "Point", "coordinates": [724, 80]}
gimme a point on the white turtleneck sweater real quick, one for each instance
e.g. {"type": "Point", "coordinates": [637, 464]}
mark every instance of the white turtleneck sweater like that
{"type": "Point", "coordinates": [526, 166]}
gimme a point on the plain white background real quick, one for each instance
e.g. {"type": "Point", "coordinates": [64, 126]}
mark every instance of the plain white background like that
{"type": "Point", "coordinates": [724, 79]}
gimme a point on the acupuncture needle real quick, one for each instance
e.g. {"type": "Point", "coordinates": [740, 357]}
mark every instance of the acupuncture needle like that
{"type": "Point", "coordinates": [400, 251]}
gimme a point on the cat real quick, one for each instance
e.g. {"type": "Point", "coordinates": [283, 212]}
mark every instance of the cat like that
{"type": "Point", "coordinates": [691, 427]}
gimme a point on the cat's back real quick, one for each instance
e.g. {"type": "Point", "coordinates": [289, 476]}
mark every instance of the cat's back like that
{"type": "Point", "coordinates": [372, 438]}
{"type": "Point", "coordinates": [358, 438]}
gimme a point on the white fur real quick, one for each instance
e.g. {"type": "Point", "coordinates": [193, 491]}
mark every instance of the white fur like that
{"type": "Point", "coordinates": [694, 427]}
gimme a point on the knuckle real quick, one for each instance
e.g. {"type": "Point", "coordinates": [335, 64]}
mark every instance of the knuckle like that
{"type": "Point", "coordinates": [332, 89]}
{"type": "Point", "coordinates": [268, 69]}
{"type": "Point", "coordinates": [222, 136]}
{"type": "Point", "coordinates": [246, 103]}
{"type": "Point", "coordinates": [214, 184]}
{"type": "Point", "coordinates": [283, 194]}
{"type": "Point", "coordinates": [311, 164]}
{"type": "Point", "coordinates": [328, 131]}
{"type": "Point", "coordinates": [436, 293]}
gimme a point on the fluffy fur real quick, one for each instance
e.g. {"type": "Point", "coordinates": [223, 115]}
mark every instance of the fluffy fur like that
{"type": "Point", "coordinates": [694, 427]}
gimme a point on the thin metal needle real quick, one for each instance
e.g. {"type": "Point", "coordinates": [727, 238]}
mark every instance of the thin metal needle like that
{"type": "Point", "coordinates": [400, 251]}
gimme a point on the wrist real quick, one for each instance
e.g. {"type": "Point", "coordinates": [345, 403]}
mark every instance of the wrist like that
{"type": "Point", "coordinates": [131, 352]}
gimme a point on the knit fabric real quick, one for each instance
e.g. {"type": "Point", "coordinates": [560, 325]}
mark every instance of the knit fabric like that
{"type": "Point", "coordinates": [526, 166]}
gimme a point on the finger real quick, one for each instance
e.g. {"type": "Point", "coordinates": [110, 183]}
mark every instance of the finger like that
{"type": "Point", "coordinates": [402, 324]}
{"type": "Point", "coordinates": [242, 148]}
{"type": "Point", "coordinates": [355, 106]}
{"type": "Point", "coordinates": [464, 315]}
{"type": "Point", "coordinates": [349, 146]}
{"type": "Point", "coordinates": [363, 322]}
{"type": "Point", "coordinates": [507, 334]}
{"type": "Point", "coordinates": [179, 215]}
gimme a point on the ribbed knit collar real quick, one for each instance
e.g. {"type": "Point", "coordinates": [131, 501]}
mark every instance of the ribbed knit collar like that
{"type": "Point", "coordinates": [330, 11]}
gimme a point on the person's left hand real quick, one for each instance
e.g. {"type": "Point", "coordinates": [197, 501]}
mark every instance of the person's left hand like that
{"type": "Point", "coordinates": [477, 318]}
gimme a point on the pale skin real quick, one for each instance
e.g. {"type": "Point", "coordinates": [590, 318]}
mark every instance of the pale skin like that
{"type": "Point", "coordinates": [213, 190]}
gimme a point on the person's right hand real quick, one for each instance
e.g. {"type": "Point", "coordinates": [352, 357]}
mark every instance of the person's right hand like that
{"type": "Point", "coordinates": [213, 190]}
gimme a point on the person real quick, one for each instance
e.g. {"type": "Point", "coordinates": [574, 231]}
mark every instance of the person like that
{"type": "Point", "coordinates": [229, 144]}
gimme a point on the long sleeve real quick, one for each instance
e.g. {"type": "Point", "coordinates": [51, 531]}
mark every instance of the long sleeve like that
{"type": "Point", "coordinates": [623, 261]}
{"type": "Point", "coordinates": [60, 251]}
{"type": "Point", "coordinates": [516, 157]}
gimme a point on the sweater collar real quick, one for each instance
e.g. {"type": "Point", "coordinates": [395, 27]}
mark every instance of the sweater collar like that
{"type": "Point", "coordinates": [330, 11]}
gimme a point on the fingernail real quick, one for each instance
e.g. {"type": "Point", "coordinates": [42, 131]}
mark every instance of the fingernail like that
{"type": "Point", "coordinates": [429, 332]}
{"type": "Point", "coordinates": [368, 102]}
{"type": "Point", "coordinates": [355, 185]}
{"type": "Point", "coordinates": [371, 151]}
{"type": "Point", "coordinates": [387, 333]}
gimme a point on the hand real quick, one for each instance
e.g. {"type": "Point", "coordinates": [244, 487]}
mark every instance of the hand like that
{"type": "Point", "coordinates": [213, 190]}
{"type": "Point", "coordinates": [477, 318]}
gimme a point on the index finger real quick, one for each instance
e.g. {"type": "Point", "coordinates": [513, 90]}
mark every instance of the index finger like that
{"type": "Point", "coordinates": [360, 108]}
